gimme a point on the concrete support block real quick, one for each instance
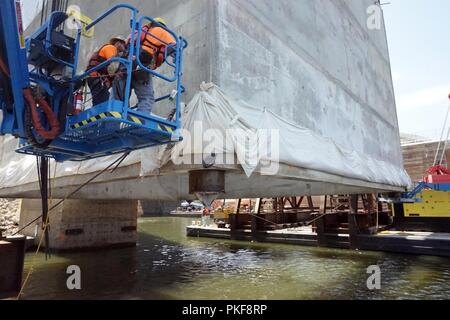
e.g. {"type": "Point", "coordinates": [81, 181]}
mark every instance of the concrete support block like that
{"type": "Point", "coordinates": [84, 224]}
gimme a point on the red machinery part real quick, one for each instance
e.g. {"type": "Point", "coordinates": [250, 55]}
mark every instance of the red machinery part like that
{"type": "Point", "coordinates": [49, 114]}
{"type": "Point", "coordinates": [438, 179]}
{"type": "Point", "coordinates": [437, 174]}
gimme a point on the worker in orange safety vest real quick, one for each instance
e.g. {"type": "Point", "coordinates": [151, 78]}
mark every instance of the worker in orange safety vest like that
{"type": "Point", "coordinates": [101, 81]}
{"type": "Point", "coordinates": [155, 40]}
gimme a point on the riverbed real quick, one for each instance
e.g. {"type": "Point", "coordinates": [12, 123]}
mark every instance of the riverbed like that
{"type": "Point", "coordinates": [167, 265]}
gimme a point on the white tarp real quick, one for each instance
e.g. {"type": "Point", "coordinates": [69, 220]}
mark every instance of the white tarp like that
{"type": "Point", "coordinates": [220, 118]}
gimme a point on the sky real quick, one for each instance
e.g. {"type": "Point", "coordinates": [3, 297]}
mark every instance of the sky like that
{"type": "Point", "coordinates": [419, 43]}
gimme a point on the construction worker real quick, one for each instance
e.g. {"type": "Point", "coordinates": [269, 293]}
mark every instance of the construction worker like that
{"type": "Point", "coordinates": [101, 81]}
{"type": "Point", "coordinates": [154, 42]}
{"type": "Point", "coordinates": [206, 217]}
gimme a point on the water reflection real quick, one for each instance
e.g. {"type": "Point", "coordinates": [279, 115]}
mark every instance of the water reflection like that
{"type": "Point", "coordinates": [167, 265]}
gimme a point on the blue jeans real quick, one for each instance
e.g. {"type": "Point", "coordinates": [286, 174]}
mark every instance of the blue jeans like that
{"type": "Point", "coordinates": [142, 83]}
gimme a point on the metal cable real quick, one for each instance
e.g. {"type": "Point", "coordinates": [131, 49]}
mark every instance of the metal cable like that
{"type": "Point", "coordinates": [445, 147]}
{"type": "Point", "coordinates": [276, 224]}
{"type": "Point", "coordinates": [442, 137]}
{"type": "Point", "coordinates": [43, 10]}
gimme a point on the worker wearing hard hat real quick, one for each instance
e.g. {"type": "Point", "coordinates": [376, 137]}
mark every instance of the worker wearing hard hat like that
{"type": "Point", "coordinates": [100, 81]}
{"type": "Point", "coordinates": [155, 40]}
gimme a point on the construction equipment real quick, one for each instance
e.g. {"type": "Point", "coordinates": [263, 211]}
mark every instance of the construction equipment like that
{"type": "Point", "coordinates": [427, 206]}
{"type": "Point", "coordinates": [40, 99]}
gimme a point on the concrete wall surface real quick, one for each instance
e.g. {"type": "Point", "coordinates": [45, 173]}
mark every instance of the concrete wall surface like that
{"type": "Point", "coordinates": [315, 63]}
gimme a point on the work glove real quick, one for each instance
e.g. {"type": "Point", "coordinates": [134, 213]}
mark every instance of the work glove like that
{"type": "Point", "coordinates": [107, 82]}
{"type": "Point", "coordinates": [113, 68]}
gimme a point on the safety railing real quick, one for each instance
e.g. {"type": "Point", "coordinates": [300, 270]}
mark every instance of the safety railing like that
{"type": "Point", "coordinates": [179, 46]}
{"type": "Point", "coordinates": [45, 32]}
{"type": "Point", "coordinates": [134, 58]}
{"type": "Point", "coordinates": [56, 19]}
{"type": "Point", "coordinates": [128, 63]}
{"type": "Point", "coordinates": [176, 65]}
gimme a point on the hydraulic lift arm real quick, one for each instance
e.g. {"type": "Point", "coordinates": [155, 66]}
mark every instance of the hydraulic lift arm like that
{"type": "Point", "coordinates": [14, 75]}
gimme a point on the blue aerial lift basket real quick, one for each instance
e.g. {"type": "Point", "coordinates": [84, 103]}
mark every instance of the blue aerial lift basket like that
{"type": "Point", "coordinates": [110, 128]}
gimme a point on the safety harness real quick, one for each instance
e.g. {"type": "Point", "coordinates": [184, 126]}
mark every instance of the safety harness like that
{"type": "Point", "coordinates": [158, 50]}
{"type": "Point", "coordinates": [96, 60]}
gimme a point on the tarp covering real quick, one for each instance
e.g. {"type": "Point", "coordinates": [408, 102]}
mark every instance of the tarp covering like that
{"type": "Point", "coordinates": [217, 124]}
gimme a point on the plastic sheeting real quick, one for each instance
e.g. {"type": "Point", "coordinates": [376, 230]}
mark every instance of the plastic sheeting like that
{"type": "Point", "coordinates": [16, 169]}
{"type": "Point", "coordinates": [291, 144]}
{"type": "Point", "coordinates": [218, 125]}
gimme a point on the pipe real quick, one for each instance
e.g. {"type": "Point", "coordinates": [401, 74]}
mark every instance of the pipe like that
{"type": "Point", "coordinates": [49, 114]}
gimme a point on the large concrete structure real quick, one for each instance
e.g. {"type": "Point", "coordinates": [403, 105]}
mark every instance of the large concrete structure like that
{"type": "Point", "coordinates": [313, 63]}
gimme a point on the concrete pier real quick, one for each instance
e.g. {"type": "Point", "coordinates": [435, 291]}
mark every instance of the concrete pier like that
{"type": "Point", "coordinates": [82, 224]}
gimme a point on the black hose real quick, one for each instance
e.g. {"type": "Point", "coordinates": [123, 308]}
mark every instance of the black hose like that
{"type": "Point", "coordinates": [43, 168]}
